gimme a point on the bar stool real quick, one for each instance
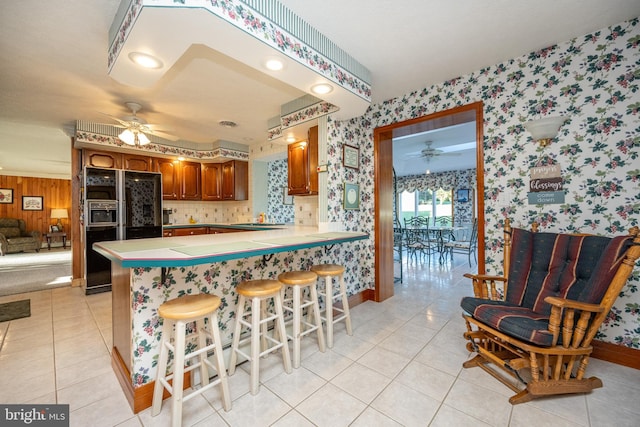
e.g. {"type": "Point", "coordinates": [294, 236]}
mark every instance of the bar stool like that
{"type": "Point", "coordinates": [258, 291]}
{"type": "Point", "coordinates": [299, 280]}
{"type": "Point", "coordinates": [177, 313]}
{"type": "Point", "coordinates": [328, 271]}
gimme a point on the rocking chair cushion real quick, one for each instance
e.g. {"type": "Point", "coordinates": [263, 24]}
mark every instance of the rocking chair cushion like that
{"type": "Point", "coordinates": [576, 267]}
{"type": "Point", "coordinates": [519, 322]}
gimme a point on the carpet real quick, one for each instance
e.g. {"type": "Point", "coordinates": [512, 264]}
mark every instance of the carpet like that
{"type": "Point", "coordinates": [15, 310]}
{"type": "Point", "coordinates": [29, 272]}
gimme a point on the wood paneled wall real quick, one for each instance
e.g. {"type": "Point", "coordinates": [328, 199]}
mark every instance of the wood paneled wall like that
{"type": "Point", "coordinates": [56, 193]}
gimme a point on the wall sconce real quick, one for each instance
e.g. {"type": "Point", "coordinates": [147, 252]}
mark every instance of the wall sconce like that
{"type": "Point", "coordinates": [545, 129]}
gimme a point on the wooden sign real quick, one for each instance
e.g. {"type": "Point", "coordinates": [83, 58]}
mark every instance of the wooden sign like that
{"type": "Point", "coordinates": [542, 172]}
{"type": "Point", "coordinates": [545, 184]}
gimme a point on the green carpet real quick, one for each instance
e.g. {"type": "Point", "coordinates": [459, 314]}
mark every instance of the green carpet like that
{"type": "Point", "coordinates": [15, 310]}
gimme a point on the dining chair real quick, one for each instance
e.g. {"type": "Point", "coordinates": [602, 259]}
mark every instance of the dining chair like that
{"type": "Point", "coordinates": [467, 246]}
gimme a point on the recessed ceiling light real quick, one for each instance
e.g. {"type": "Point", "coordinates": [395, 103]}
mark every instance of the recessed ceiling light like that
{"type": "Point", "coordinates": [274, 64]}
{"type": "Point", "coordinates": [321, 88]}
{"type": "Point", "coordinates": [227, 123]}
{"type": "Point", "coordinates": [145, 60]}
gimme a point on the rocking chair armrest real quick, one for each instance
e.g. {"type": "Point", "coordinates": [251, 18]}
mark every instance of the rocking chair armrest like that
{"type": "Point", "coordinates": [572, 318]}
{"type": "Point", "coordinates": [577, 305]}
{"type": "Point", "coordinates": [484, 286]}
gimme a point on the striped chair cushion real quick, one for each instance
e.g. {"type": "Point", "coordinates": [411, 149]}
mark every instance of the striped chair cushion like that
{"type": "Point", "coordinates": [518, 322]}
{"type": "Point", "coordinates": [549, 264]}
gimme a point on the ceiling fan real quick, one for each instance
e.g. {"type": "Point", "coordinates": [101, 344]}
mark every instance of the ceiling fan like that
{"type": "Point", "coordinates": [136, 128]}
{"type": "Point", "coordinates": [429, 152]}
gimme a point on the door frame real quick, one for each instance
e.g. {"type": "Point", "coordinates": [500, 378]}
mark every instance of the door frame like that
{"type": "Point", "coordinates": [383, 185]}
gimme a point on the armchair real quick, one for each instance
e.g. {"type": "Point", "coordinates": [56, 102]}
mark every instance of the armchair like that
{"type": "Point", "coordinates": [15, 238]}
{"type": "Point", "coordinates": [556, 292]}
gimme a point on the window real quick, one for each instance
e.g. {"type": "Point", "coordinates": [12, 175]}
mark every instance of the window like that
{"type": "Point", "coordinates": [425, 203]}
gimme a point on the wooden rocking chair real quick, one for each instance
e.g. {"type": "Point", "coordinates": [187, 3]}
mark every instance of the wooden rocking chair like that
{"type": "Point", "coordinates": [557, 291]}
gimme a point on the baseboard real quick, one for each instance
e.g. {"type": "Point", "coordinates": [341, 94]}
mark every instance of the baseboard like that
{"type": "Point", "coordinates": [615, 353]}
{"type": "Point", "coordinates": [139, 398]}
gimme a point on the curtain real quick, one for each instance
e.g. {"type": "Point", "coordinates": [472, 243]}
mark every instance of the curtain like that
{"type": "Point", "coordinates": [446, 180]}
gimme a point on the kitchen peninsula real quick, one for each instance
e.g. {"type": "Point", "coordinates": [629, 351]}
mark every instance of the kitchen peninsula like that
{"type": "Point", "coordinates": [148, 272]}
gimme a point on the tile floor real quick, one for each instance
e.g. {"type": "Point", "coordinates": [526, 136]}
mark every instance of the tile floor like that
{"type": "Point", "coordinates": [401, 367]}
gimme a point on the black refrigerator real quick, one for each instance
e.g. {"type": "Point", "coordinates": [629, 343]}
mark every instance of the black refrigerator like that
{"type": "Point", "coordinates": [137, 199]}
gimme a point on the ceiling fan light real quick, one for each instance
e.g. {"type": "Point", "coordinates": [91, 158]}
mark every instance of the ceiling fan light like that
{"type": "Point", "coordinates": [142, 139]}
{"type": "Point", "coordinates": [133, 138]}
{"type": "Point", "coordinates": [127, 137]}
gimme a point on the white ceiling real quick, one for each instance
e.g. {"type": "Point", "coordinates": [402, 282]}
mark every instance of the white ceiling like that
{"type": "Point", "coordinates": [53, 65]}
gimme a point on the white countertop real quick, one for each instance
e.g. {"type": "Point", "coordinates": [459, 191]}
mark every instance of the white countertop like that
{"type": "Point", "coordinates": [208, 248]}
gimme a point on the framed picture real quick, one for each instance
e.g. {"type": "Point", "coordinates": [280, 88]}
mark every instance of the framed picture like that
{"type": "Point", "coordinates": [463, 195]}
{"type": "Point", "coordinates": [286, 198]}
{"type": "Point", "coordinates": [350, 157]}
{"type": "Point", "coordinates": [54, 229]}
{"type": "Point", "coordinates": [351, 196]}
{"type": "Point", "coordinates": [31, 203]}
{"type": "Point", "coordinates": [6, 195]}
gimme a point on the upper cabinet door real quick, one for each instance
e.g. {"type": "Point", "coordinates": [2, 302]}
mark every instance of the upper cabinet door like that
{"type": "Point", "coordinates": [134, 162]}
{"type": "Point", "coordinates": [102, 159]}
{"type": "Point", "coordinates": [302, 162]}
{"type": "Point", "coordinates": [170, 177]}
{"type": "Point", "coordinates": [235, 180]}
{"type": "Point", "coordinates": [190, 181]}
{"type": "Point", "coordinates": [211, 181]}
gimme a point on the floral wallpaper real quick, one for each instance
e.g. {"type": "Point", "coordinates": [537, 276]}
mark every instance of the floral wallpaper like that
{"type": "Point", "coordinates": [277, 177]}
{"type": "Point", "coordinates": [594, 81]}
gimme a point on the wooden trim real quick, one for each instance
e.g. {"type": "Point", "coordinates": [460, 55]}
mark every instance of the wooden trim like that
{"type": "Point", "coordinates": [139, 398]}
{"type": "Point", "coordinates": [383, 202]}
{"type": "Point", "coordinates": [77, 230]}
{"type": "Point", "coordinates": [614, 353]}
{"type": "Point", "coordinates": [124, 377]}
{"type": "Point", "coordinates": [383, 183]}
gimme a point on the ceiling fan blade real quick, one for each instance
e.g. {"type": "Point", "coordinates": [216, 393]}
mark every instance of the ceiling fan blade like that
{"type": "Point", "coordinates": [163, 135]}
{"type": "Point", "coordinates": [122, 122]}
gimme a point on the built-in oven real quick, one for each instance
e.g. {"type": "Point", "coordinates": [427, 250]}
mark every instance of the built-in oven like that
{"type": "Point", "coordinates": [102, 213]}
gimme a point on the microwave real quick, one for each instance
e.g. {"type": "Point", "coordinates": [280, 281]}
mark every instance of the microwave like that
{"type": "Point", "coordinates": [102, 213]}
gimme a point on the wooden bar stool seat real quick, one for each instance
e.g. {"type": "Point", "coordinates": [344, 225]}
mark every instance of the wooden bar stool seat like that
{"type": "Point", "coordinates": [328, 271]}
{"type": "Point", "coordinates": [176, 314]}
{"type": "Point", "coordinates": [298, 280]}
{"type": "Point", "coordinates": [258, 292]}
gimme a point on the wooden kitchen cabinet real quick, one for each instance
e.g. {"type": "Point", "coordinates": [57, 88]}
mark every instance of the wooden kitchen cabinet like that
{"type": "Point", "coordinates": [102, 159]}
{"type": "Point", "coordinates": [302, 162]}
{"type": "Point", "coordinates": [190, 181]}
{"type": "Point", "coordinates": [170, 178]}
{"type": "Point", "coordinates": [180, 180]}
{"type": "Point", "coordinates": [235, 180]}
{"type": "Point", "coordinates": [190, 231]}
{"type": "Point", "coordinates": [134, 162]}
{"type": "Point", "coordinates": [211, 181]}
{"type": "Point", "coordinates": [219, 230]}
